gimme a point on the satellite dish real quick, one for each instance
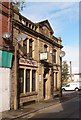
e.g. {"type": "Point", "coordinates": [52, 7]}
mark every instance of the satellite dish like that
{"type": "Point", "coordinates": [20, 37]}
{"type": "Point", "coordinates": [62, 54]}
{"type": "Point", "coordinates": [6, 35]}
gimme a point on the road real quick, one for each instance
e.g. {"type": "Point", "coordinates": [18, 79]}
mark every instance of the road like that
{"type": "Point", "coordinates": [68, 109]}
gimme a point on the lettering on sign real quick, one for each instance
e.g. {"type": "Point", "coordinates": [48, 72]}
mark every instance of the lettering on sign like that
{"type": "Point", "coordinates": [28, 62]}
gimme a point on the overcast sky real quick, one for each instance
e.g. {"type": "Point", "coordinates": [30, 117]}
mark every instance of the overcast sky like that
{"type": "Point", "coordinates": [64, 19]}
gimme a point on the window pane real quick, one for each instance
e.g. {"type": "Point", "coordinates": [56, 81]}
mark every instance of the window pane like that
{"type": "Point", "coordinates": [30, 48]}
{"type": "Point", "coordinates": [45, 48]}
{"type": "Point", "coordinates": [27, 80]}
{"type": "Point", "coordinates": [25, 48]}
{"type": "Point", "coordinates": [33, 79]}
{"type": "Point", "coordinates": [21, 80]}
{"type": "Point", "coordinates": [54, 56]}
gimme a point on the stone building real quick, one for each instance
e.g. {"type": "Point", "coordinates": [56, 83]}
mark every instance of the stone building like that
{"type": "Point", "coordinates": [35, 72]}
{"type": "Point", "coordinates": [38, 61]}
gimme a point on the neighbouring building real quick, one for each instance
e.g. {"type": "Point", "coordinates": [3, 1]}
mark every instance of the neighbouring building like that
{"type": "Point", "coordinates": [5, 55]}
{"type": "Point", "coordinates": [35, 69]}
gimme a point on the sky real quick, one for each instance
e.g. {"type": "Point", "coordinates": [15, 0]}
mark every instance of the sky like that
{"type": "Point", "coordinates": [64, 19]}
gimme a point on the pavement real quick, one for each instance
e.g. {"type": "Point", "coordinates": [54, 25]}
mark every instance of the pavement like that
{"type": "Point", "coordinates": [32, 108]}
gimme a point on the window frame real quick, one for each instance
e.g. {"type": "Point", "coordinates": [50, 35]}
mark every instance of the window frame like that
{"type": "Point", "coordinates": [45, 48]}
{"type": "Point", "coordinates": [33, 80]}
{"type": "Point", "coordinates": [25, 47]}
{"type": "Point", "coordinates": [27, 80]}
{"type": "Point", "coordinates": [21, 84]}
{"type": "Point", "coordinates": [54, 56]}
{"type": "Point", "coordinates": [30, 48]}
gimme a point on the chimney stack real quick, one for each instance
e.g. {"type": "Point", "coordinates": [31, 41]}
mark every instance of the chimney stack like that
{"type": "Point", "coordinates": [71, 70]}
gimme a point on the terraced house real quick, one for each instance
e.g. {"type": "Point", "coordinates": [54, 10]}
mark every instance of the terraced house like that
{"type": "Point", "coordinates": [36, 71]}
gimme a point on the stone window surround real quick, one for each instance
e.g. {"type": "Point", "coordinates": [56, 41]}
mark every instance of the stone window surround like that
{"type": "Point", "coordinates": [24, 84]}
{"type": "Point", "coordinates": [28, 39]}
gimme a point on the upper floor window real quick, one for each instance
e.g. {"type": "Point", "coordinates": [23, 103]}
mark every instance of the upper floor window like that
{"type": "Point", "coordinates": [54, 56]}
{"type": "Point", "coordinates": [21, 80]}
{"type": "Point", "coordinates": [30, 48]}
{"type": "Point", "coordinates": [25, 47]}
{"type": "Point", "coordinates": [45, 48]}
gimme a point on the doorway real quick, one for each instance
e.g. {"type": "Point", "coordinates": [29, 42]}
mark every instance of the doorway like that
{"type": "Point", "coordinates": [44, 88]}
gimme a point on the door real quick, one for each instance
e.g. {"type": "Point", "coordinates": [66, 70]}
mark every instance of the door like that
{"type": "Point", "coordinates": [44, 88]}
{"type": "Point", "coordinates": [4, 89]}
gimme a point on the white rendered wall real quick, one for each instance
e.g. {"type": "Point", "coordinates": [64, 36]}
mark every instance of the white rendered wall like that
{"type": "Point", "coordinates": [4, 89]}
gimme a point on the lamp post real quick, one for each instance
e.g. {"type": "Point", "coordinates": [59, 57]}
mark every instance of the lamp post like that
{"type": "Point", "coordinates": [19, 38]}
{"type": "Point", "coordinates": [62, 54]}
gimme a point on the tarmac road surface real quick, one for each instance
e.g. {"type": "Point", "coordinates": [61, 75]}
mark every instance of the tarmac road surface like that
{"type": "Point", "coordinates": [69, 106]}
{"type": "Point", "coordinates": [68, 109]}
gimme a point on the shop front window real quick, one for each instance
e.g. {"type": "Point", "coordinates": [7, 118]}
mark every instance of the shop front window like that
{"type": "Point", "coordinates": [27, 80]}
{"type": "Point", "coordinates": [21, 80]}
{"type": "Point", "coordinates": [33, 79]}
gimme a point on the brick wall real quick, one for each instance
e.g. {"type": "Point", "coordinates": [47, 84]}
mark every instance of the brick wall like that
{"type": "Point", "coordinates": [5, 18]}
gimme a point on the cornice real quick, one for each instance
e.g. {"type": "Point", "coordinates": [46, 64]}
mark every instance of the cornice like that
{"type": "Point", "coordinates": [37, 34]}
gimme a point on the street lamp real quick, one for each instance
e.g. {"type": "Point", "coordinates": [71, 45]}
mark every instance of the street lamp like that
{"type": "Point", "coordinates": [19, 38]}
{"type": "Point", "coordinates": [62, 54]}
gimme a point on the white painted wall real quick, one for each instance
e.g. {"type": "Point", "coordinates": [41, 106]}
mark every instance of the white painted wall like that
{"type": "Point", "coordinates": [4, 89]}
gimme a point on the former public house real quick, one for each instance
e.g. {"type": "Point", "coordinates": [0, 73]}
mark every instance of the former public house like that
{"type": "Point", "coordinates": [33, 53]}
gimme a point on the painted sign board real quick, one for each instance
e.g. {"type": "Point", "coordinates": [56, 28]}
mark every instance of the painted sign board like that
{"type": "Point", "coordinates": [5, 59]}
{"type": "Point", "coordinates": [23, 61]}
{"type": "Point", "coordinates": [43, 56]}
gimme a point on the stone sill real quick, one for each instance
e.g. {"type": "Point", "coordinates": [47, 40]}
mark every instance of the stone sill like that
{"type": "Point", "coordinates": [28, 94]}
